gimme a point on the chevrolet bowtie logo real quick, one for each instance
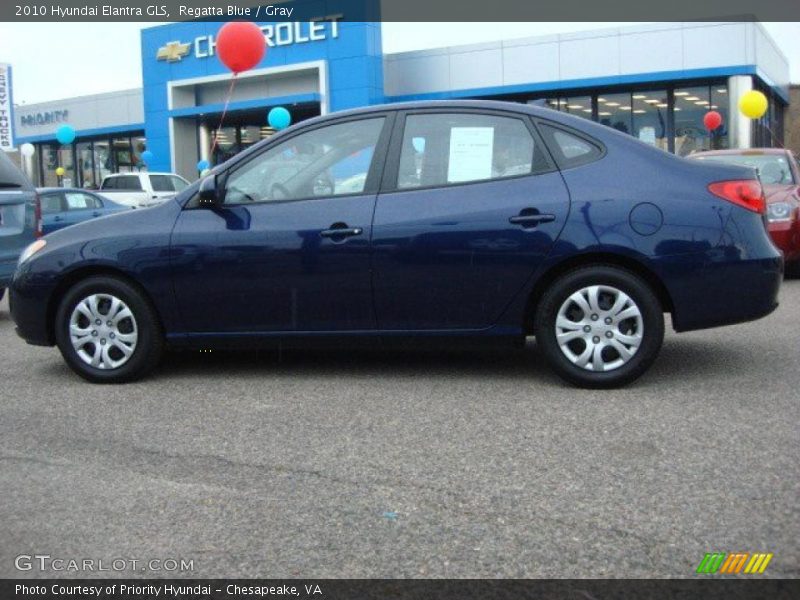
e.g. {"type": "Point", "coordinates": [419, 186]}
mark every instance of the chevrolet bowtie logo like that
{"type": "Point", "coordinates": [172, 51]}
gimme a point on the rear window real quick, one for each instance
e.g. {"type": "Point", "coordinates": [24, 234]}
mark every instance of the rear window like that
{"type": "Point", "coordinates": [10, 175]}
{"type": "Point", "coordinates": [771, 168]}
{"type": "Point", "coordinates": [123, 182]}
{"type": "Point", "coordinates": [51, 203]}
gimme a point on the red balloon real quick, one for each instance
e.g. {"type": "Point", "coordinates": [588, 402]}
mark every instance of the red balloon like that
{"type": "Point", "coordinates": [712, 120]}
{"type": "Point", "coordinates": [240, 45]}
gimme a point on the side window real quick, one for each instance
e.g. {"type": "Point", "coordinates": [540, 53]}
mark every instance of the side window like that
{"type": "Point", "coordinates": [161, 183]}
{"type": "Point", "coordinates": [329, 161]}
{"type": "Point", "coordinates": [178, 184]}
{"type": "Point", "coordinates": [443, 148]}
{"type": "Point", "coordinates": [127, 182]}
{"type": "Point", "coordinates": [78, 201]}
{"type": "Point", "coordinates": [109, 184]}
{"type": "Point", "coordinates": [570, 149]}
{"type": "Point", "coordinates": [51, 203]}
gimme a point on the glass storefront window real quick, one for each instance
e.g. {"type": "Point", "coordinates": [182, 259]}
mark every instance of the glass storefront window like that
{"type": "Point", "coordinates": [65, 160]}
{"type": "Point", "coordinates": [616, 110]}
{"type": "Point", "coordinates": [102, 160]}
{"type": "Point", "coordinates": [580, 106]}
{"type": "Point", "coordinates": [249, 135]}
{"type": "Point", "coordinates": [720, 103]}
{"type": "Point", "coordinates": [650, 112]}
{"type": "Point", "coordinates": [138, 145]}
{"type": "Point", "coordinates": [86, 178]}
{"type": "Point", "coordinates": [49, 164]}
{"type": "Point", "coordinates": [226, 145]}
{"type": "Point", "coordinates": [123, 155]}
{"type": "Point", "coordinates": [691, 105]}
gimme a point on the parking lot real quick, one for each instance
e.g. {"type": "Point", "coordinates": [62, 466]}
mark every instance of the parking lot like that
{"type": "Point", "coordinates": [409, 463]}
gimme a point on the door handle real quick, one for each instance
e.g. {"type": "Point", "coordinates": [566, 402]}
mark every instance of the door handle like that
{"type": "Point", "coordinates": [57, 218]}
{"type": "Point", "coordinates": [529, 219]}
{"type": "Point", "coordinates": [96, 213]}
{"type": "Point", "coordinates": [340, 230]}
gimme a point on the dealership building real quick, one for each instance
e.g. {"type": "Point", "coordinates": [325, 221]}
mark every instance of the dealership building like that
{"type": "Point", "coordinates": [654, 82]}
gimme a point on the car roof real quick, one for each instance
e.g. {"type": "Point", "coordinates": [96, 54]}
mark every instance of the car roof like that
{"type": "Point", "coordinates": [44, 190]}
{"type": "Point", "coordinates": [455, 104]}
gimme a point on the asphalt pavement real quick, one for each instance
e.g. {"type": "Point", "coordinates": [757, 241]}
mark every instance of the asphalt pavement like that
{"type": "Point", "coordinates": [407, 463]}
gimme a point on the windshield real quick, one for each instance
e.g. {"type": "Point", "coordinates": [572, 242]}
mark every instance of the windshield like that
{"type": "Point", "coordinates": [772, 168]}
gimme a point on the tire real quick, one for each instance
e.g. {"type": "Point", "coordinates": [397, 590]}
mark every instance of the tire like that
{"type": "Point", "coordinates": [77, 335]}
{"type": "Point", "coordinates": [627, 345]}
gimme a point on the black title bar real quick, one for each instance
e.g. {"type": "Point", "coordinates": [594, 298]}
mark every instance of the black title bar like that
{"type": "Point", "coordinates": [341, 589]}
{"type": "Point", "coordinates": [401, 10]}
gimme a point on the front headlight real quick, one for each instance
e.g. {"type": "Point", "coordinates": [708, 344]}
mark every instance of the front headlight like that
{"type": "Point", "coordinates": [31, 250]}
{"type": "Point", "coordinates": [779, 211]}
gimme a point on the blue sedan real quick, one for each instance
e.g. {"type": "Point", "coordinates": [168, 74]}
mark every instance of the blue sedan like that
{"type": "Point", "coordinates": [62, 207]}
{"type": "Point", "coordinates": [462, 219]}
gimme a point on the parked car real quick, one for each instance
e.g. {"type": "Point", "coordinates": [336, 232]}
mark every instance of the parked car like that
{"type": "Point", "coordinates": [474, 219]}
{"type": "Point", "coordinates": [779, 173]}
{"type": "Point", "coordinates": [142, 189]}
{"type": "Point", "coordinates": [20, 218]}
{"type": "Point", "coordinates": [62, 207]}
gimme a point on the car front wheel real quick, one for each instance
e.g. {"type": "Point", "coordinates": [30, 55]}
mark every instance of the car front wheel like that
{"type": "Point", "coordinates": [599, 326]}
{"type": "Point", "coordinates": [107, 331]}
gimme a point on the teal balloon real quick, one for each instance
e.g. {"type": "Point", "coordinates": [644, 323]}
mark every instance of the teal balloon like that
{"type": "Point", "coordinates": [65, 134]}
{"type": "Point", "coordinates": [203, 165]}
{"type": "Point", "coordinates": [148, 157]}
{"type": "Point", "coordinates": [279, 118]}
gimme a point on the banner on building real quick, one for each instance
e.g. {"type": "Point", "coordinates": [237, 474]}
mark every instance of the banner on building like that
{"type": "Point", "coordinates": [6, 109]}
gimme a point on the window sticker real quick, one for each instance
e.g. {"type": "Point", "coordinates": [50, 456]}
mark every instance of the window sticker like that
{"type": "Point", "coordinates": [471, 150]}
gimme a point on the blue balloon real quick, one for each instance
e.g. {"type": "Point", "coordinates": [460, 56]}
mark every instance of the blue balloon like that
{"type": "Point", "coordinates": [203, 165]}
{"type": "Point", "coordinates": [279, 118]}
{"type": "Point", "coordinates": [65, 134]}
{"type": "Point", "coordinates": [147, 157]}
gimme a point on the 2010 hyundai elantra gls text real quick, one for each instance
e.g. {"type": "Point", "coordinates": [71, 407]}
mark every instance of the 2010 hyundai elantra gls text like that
{"type": "Point", "coordinates": [480, 219]}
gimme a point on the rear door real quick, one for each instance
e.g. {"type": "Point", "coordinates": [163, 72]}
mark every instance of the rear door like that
{"type": "Point", "coordinates": [469, 206]}
{"type": "Point", "coordinates": [54, 215]}
{"type": "Point", "coordinates": [17, 216]}
{"type": "Point", "coordinates": [80, 207]}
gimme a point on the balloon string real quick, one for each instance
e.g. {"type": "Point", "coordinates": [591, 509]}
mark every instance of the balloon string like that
{"type": "Point", "coordinates": [222, 118]}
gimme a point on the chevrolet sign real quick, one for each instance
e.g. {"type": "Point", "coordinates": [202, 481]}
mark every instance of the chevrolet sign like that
{"type": "Point", "coordinates": [275, 34]}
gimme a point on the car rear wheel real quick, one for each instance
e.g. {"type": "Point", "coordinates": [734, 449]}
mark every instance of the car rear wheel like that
{"type": "Point", "coordinates": [599, 326]}
{"type": "Point", "coordinates": [107, 331]}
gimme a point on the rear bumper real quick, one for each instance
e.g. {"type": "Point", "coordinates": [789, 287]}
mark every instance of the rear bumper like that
{"type": "Point", "coordinates": [786, 236]}
{"type": "Point", "coordinates": [724, 292]}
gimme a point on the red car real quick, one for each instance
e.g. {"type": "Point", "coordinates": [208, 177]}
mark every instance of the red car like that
{"type": "Point", "coordinates": [780, 175]}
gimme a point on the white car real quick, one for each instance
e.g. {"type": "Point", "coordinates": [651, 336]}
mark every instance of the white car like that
{"type": "Point", "coordinates": [142, 189]}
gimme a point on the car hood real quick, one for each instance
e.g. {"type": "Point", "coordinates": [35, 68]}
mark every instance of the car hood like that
{"type": "Point", "coordinates": [117, 223]}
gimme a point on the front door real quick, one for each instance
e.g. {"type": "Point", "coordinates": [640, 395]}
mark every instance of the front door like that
{"type": "Point", "coordinates": [289, 250]}
{"type": "Point", "coordinates": [471, 208]}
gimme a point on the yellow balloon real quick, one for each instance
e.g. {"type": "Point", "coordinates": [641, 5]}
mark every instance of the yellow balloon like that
{"type": "Point", "coordinates": [753, 104]}
{"type": "Point", "coordinates": [60, 171]}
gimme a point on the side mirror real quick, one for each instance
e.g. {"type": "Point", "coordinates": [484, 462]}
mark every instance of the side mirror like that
{"type": "Point", "coordinates": [208, 193]}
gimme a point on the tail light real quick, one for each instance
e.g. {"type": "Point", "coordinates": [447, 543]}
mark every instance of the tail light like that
{"type": "Point", "coordinates": [37, 215]}
{"type": "Point", "coordinates": [746, 193]}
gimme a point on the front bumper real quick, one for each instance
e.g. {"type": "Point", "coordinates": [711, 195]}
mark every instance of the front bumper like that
{"type": "Point", "coordinates": [28, 304]}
